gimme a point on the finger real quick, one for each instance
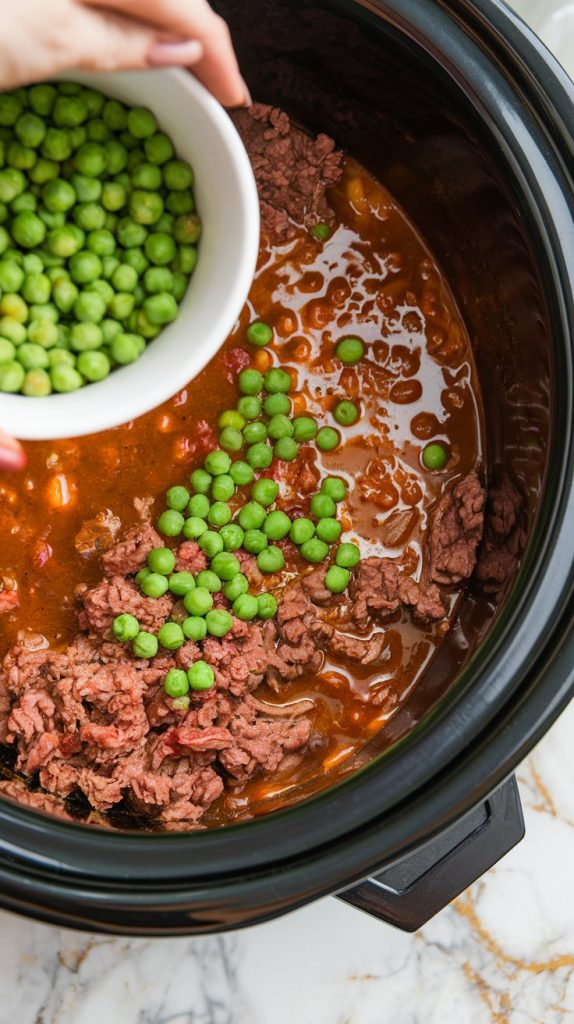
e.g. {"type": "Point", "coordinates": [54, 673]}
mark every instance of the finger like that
{"type": "Point", "coordinates": [12, 455]}
{"type": "Point", "coordinates": [110, 42]}
{"type": "Point", "coordinates": [191, 20]}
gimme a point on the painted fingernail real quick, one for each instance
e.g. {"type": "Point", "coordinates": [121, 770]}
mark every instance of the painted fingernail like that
{"type": "Point", "coordinates": [161, 54]}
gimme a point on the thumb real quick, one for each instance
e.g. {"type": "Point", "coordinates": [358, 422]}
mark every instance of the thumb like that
{"type": "Point", "coordinates": [110, 42]}
{"type": "Point", "coordinates": [12, 455]}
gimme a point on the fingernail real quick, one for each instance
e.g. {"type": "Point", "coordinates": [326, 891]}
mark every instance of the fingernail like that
{"type": "Point", "coordinates": [169, 54]}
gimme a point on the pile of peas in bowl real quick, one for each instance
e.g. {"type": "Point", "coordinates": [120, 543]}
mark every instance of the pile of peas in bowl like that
{"type": "Point", "coordinates": [98, 234]}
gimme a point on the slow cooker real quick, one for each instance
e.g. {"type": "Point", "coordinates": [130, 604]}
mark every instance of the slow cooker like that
{"type": "Point", "coordinates": [461, 112]}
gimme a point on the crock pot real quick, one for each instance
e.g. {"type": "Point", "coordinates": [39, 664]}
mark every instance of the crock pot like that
{"type": "Point", "coordinates": [463, 114]}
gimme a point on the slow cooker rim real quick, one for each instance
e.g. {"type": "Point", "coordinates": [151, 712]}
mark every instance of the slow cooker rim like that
{"type": "Point", "coordinates": [33, 824]}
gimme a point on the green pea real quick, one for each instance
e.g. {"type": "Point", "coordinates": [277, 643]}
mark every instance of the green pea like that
{"type": "Point", "coordinates": [254, 432]}
{"type": "Point", "coordinates": [176, 683]}
{"type": "Point", "coordinates": [225, 566]}
{"type": "Point", "coordinates": [37, 384]}
{"type": "Point", "coordinates": [159, 248]}
{"type": "Point", "coordinates": [223, 487]}
{"type": "Point", "coordinates": [85, 337]}
{"type": "Point", "coordinates": [110, 330]}
{"type": "Point", "coordinates": [44, 333]}
{"type": "Point", "coordinates": [126, 348]}
{"type": "Point", "coordinates": [321, 232]}
{"type": "Point", "coordinates": [194, 527]}
{"type": "Point", "coordinates": [314, 550]}
{"type": "Point", "coordinates": [231, 418]}
{"type": "Point", "coordinates": [170, 523]}
{"type": "Point", "coordinates": [254, 541]}
{"type": "Point", "coordinates": [260, 456]}
{"type": "Point", "coordinates": [43, 171]}
{"type": "Point", "coordinates": [177, 175]}
{"type": "Point", "coordinates": [277, 405]}
{"type": "Point", "coordinates": [58, 195]}
{"type": "Point", "coordinates": [219, 514]}
{"type": "Point", "coordinates": [142, 575]}
{"type": "Point", "coordinates": [245, 607]}
{"type": "Point", "coordinates": [94, 366]}
{"type": "Point", "coordinates": [346, 413]}
{"type": "Point", "coordinates": [279, 426]}
{"type": "Point", "coordinates": [65, 241]}
{"type": "Point", "coordinates": [102, 242]}
{"type": "Point", "coordinates": [347, 556]}
{"type": "Point", "coordinates": [11, 376]}
{"type": "Point", "coordinates": [187, 229]}
{"type": "Point", "coordinates": [88, 190]}
{"type": "Point", "coordinates": [217, 462]}
{"type": "Point", "coordinates": [194, 627]}
{"type": "Point", "coordinates": [145, 645]}
{"type": "Point", "coordinates": [327, 439]}
{"type": "Point", "coordinates": [14, 307]}
{"type": "Point", "coordinates": [301, 530]}
{"type": "Point", "coordinates": [89, 308]}
{"type": "Point", "coordinates": [201, 481]}
{"type": "Point", "coordinates": [211, 543]}
{"type": "Point", "coordinates": [186, 259]}
{"type": "Point", "coordinates": [42, 98]}
{"type": "Point", "coordinates": [12, 184]}
{"type": "Point", "coordinates": [11, 276]}
{"type": "Point", "coordinates": [286, 449]}
{"type": "Point", "coordinates": [65, 378]}
{"type": "Point", "coordinates": [250, 382]}
{"type": "Point", "coordinates": [91, 159]}
{"type": "Point", "coordinates": [37, 288]}
{"type": "Point", "coordinates": [350, 351]}
{"type": "Point", "coordinates": [231, 439]}
{"type": "Point", "coordinates": [154, 585]}
{"type": "Point", "coordinates": [8, 351]}
{"type": "Point", "coordinates": [276, 525]}
{"type": "Point", "coordinates": [334, 487]}
{"type": "Point", "coordinates": [146, 176]}
{"type": "Point", "coordinates": [304, 429]}
{"type": "Point", "coordinates": [218, 622]}
{"type": "Point", "coordinates": [62, 357]}
{"type": "Point", "coordinates": [33, 357]}
{"type": "Point", "coordinates": [322, 505]}
{"type": "Point", "coordinates": [161, 560]}
{"type": "Point", "coordinates": [337, 579]}
{"type": "Point", "coordinates": [259, 333]}
{"type": "Point", "coordinates": [135, 258]}
{"type": "Point", "coordinates": [236, 586]}
{"type": "Point", "coordinates": [199, 505]}
{"type": "Point", "coordinates": [13, 330]}
{"type": "Point", "coordinates": [124, 278]}
{"type": "Point", "coordinates": [198, 601]}
{"type": "Point", "coordinates": [180, 583]}
{"type": "Point", "coordinates": [145, 207]}
{"type": "Point", "coordinates": [22, 157]}
{"type": "Point", "coordinates": [251, 516]}
{"type": "Point", "coordinates": [117, 157]}
{"type": "Point", "coordinates": [240, 472]}
{"type": "Point", "coordinates": [125, 627]}
{"type": "Point", "coordinates": [271, 560]}
{"type": "Point", "coordinates": [114, 196]}
{"type": "Point", "coordinates": [141, 123]}
{"type": "Point", "coordinates": [201, 675]}
{"type": "Point", "coordinates": [10, 109]}
{"type": "Point", "coordinates": [28, 230]}
{"type": "Point", "coordinates": [329, 530]}
{"type": "Point", "coordinates": [434, 457]}
{"type": "Point", "coordinates": [158, 279]}
{"type": "Point", "coordinates": [121, 306]}
{"type": "Point", "coordinates": [266, 606]}
{"type": "Point", "coordinates": [85, 267]}
{"type": "Point", "coordinates": [177, 498]}
{"type": "Point", "coordinates": [249, 407]}
{"type": "Point", "coordinates": [277, 381]}
{"type": "Point", "coordinates": [64, 293]}
{"type": "Point", "coordinates": [232, 537]}
{"type": "Point", "coordinates": [171, 636]}
{"type": "Point", "coordinates": [130, 234]}
{"type": "Point", "coordinates": [265, 491]}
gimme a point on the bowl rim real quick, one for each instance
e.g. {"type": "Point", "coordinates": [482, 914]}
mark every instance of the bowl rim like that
{"type": "Point", "coordinates": [48, 418]}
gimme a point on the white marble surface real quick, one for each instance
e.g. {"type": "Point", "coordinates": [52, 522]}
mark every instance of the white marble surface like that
{"type": "Point", "coordinates": [503, 953]}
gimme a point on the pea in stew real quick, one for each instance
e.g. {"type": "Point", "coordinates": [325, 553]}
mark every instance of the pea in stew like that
{"type": "Point", "coordinates": [312, 509]}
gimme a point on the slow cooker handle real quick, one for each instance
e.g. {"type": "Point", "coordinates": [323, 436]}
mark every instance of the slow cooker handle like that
{"type": "Point", "coordinates": [414, 889]}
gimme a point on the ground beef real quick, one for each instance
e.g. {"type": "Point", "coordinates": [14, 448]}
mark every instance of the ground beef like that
{"type": "Point", "coordinates": [97, 535]}
{"type": "Point", "coordinates": [130, 556]}
{"type": "Point", "coordinates": [456, 530]}
{"type": "Point", "coordinates": [235, 360]}
{"type": "Point", "coordinates": [260, 744]}
{"type": "Point", "coordinates": [190, 557]}
{"type": "Point", "coordinates": [103, 603]}
{"type": "Point", "coordinates": [36, 800]}
{"type": "Point", "coordinates": [292, 171]}
{"type": "Point", "coordinates": [504, 537]}
{"type": "Point", "coordinates": [381, 587]}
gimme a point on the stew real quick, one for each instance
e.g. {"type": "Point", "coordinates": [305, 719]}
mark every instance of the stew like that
{"type": "Point", "coordinates": [92, 731]}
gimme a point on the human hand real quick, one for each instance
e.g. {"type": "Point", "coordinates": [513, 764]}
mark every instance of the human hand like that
{"type": "Point", "coordinates": [11, 453]}
{"type": "Point", "coordinates": [40, 40]}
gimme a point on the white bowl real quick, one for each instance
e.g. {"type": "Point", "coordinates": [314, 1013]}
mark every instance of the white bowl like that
{"type": "Point", "coordinates": [227, 203]}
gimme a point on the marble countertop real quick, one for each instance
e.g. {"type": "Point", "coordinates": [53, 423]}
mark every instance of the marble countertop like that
{"type": "Point", "coordinates": [503, 953]}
